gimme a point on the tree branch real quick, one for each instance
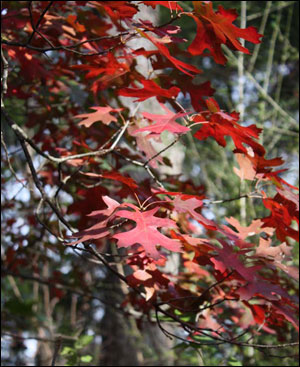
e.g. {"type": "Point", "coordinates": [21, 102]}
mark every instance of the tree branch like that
{"type": "Point", "coordinates": [4, 76]}
{"type": "Point", "coordinates": [36, 180]}
{"type": "Point", "coordinates": [264, 94]}
{"type": "Point", "coordinates": [35, 27]}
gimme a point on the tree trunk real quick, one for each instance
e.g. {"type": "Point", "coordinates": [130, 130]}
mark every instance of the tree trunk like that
{"type": "Point", "coordinates": [119, 342]}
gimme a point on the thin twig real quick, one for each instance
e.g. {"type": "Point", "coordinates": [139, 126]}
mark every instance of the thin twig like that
{"type": "Point", "coordinates": [35, 27]}
{"type": "Point", "coordinates": [249, 196]}
{"type": "Point", "coordinates": [261, 31]}
{"type": "Point", "coordinates": [186, 325]}
{"type": "Point", "coordinates": [119, 137]}
{"type": "Point", "coordinates": [161, 151]}
{"type": "Point", "coordinates": [22, 135]}
{"type": "Point", "coordinates": [277, 7]}
{"type": "Point", "coordinates": [63, 286]}
{"type": "Point", "coordinates": [78, 44]}
{"type": "Point", "coordinates": [160, 184]}
{"type": "Point", "coordinates": [201, 295]}
{"type": "Point", "coordinates": [241, 104]}
{"type": "Point", "coordinates": [140, 164]}
{"type": "Point", "coordinates": [57, 346]}
{"type": "Point", "coordinates": [9, 163]}
{"type": "Point", "coordinates": [272, 52]}
{"type": "Point", "coordinates": [284, 57]}
{"type": "Point", "coordinates": [34, 173]}
{"type": "Point", "coordinates": [66, 337]}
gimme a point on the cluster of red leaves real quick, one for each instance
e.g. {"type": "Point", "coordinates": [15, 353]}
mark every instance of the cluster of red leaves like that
{"type": "Point", "coordinates": [244, 271]}
{"type": "Point", "coordinates": [216, 28]}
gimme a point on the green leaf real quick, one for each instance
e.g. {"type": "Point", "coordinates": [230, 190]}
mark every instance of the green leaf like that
{"type": "Point", "coordinates": [177, 312]}
{"type": "Point", "coordinates": [71, 355]}
{"type": "Point", "coordinates": [83, 341]}
{"type": "Point", "coordinates": [86, 359]}
{"type": "Point", "coordinates": [165, 318]}
{"type": "Point", "coordinates": [67, 351]}
{"type": "Point", "coordinates": [72, 360]}
{"type": "Point", "coordinates": [203, 339]}
{"type": "Point", "coordinates": [234, 362]}
{"type": "Point", "coordinates": [181, 346]}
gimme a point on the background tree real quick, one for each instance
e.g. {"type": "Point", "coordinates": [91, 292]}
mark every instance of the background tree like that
{"type": "Point", "coordinates": [81, 83]}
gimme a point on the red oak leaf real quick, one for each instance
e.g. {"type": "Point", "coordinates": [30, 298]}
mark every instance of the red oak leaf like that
{"type": "Point", "coordinates": [107, 66]}
{"type": "Point", "coordinates": [246, 171]}
{"type": "Point", "coordinates": [113, 175]}
{"type": "Point", "coordinates": [218, 124]}
{"type": "Point", "coordinates": [228, 259]}
{"type": "Point", "coordinates": [172, 5]}
{"type": "Point", "coordinates": [261, 168]}
{"type": "Point", "coordinates": [146, 233]}
{"type": "Point", "coordinates": [274, 256]}
{"type": "Point", "coordinates": [196, 269]}
{"type": "Point", "coordinates": [31, 66]}
{"type": "Point", "coordinates": [279, 182]}
{"type": "Point", "coordinates": [180, 65]}
{"type": "Point", "coordinates": [288, 313]}
{"type": "Point", "coordinates": [99, 229]}
{"type": "Point", "coordinates": [281, 219]}
{"type": "Point", "coordinates": [150, 89]}
{"type": "Point", "coordinates": [72, 19]}
{"type": "Point", "coordinates": [111, 206]}
{"type": "Point", "coordinates": [85, 203]}
{"type": "Point", "coordinates": [93, 233]}
{"type": "Point", "coordinates": [275, 252]}
{"type": "Point", "coordinates": [259, 312]}
{"type": "Point", "coordinates": [262, 165]}
{"type": "Point", "coordinates": [243, 232]}
{"type": "Point", "coordinates": [144, 144]}
{"type": "Point", "coordinates": [164, 122]}
{"type": "Point", "coordinates": [188, 205]}
{"type": "Point", "coordinates": [140, 260]}
{"type": "Point", "coordinates": [216, 28]}
{"type": "Point", "coordinates": [102, 114]}
{"type": "Point", "coordinates": [197, 92]}
{"type": "Point", "coordinates": [257, 286]}
{"type": "Point", "coordinates": [291, 200]}
{"type": "Point", "coordinates": [115, 9]}
{"type": "Point", "coordinates": [166, 32]}
{"type": "Point", "coordinates": [151, 278]}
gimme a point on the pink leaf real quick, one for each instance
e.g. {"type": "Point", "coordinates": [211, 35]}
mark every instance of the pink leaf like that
{"type": "Point", "coordinates": [164, 122]}
{"type": "Point", "coordinates": [102, 114]}
{"type": "Point", "coordinates": [146, 233]}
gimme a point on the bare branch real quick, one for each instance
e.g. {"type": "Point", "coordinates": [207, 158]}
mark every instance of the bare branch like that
{"type": "Point", "coordinates": [161, 151]}
{"type": "Point", "coordinates": [9, 163]}
{"type": "Point", "coordinates": [4, 76]}
{"type": "Point", "coordinates": [65, 337]}
{"type": "Point", "coordinates": [57, 346]}
{"type": "Point", "coordinates": [261, 31]}
{"type": "Point", "coordinates": [282, 5]}
{"type": "Point", "coordinates": [33, 171]}
{"type": "Point", "coordinates": [264, 94]}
